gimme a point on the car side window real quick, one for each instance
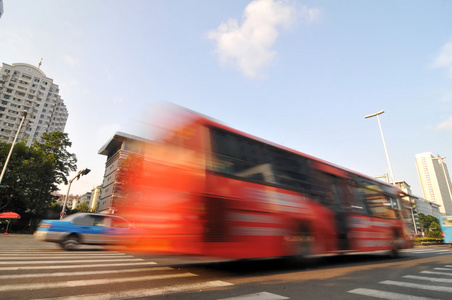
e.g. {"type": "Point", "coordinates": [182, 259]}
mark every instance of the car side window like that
{"type": "Point", "coordinates": [86, 220]}
{"type": "Point", "coordinates": [98, 221]}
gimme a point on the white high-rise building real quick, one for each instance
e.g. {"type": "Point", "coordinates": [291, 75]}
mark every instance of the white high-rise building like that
{"type": "Point", "coordinates": [25, 88]}
{"type": "Point", "coordinates": [435, 180]}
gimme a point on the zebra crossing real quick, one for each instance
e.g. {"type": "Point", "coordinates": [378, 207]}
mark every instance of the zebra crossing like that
{"type": "Point", "coordinates": [437, 282]}
{"type": "Point", "coordinates": [59, 275]}
{"type": "Point", "coordinates": [434, 251]}
{"type": "Point", "coordinates": [103, 275]}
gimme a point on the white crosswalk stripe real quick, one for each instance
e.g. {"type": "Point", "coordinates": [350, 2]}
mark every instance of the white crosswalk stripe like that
{"type": "Point", "coordinates": [131, 263]}
{"type": "Point", "coordinates": [432, 279]}
{"type": "Point", "coordinates": [430, 251]}
{"type": "Point", "coordinates": [257, 296]}
{"type": "Point", "coordinates": [76, 271]}
{"type": "Point", "coordinates": [440, 284]}
{"type": "Point", "coordinates": [85, 273]}
{"type": "Point", "coordinates": [418, 286]}
{"type": "Point", "coordinates": [386, 295]}
{"type": "Point", "coordinates": [146, 292]}
{"type": "Point", "coordinates": [80, 283]}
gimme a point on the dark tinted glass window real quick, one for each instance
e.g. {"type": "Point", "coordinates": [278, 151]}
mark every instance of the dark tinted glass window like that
{"type": "Point", "coordinates": [86, 220]}
{"type": "Point", "coordinates": [239, 156]}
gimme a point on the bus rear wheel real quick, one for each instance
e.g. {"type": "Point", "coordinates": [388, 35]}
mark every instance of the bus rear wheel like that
{"type": "Point", "coordinates": [303, 243]}
{"type": "Point", "coordinates": [396, 245]}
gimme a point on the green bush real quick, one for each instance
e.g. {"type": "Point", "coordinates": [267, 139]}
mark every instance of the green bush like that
{"type": "Point", "coordinates": [427, 240]}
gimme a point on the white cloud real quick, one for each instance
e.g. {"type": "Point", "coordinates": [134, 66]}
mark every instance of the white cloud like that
{"type": "Point", "coordinates": [248, 45]}
{"type": "Point", "coordinates": [446, 125]}
{"type": "Point", "coordinates": [310, 14]}
{"type": "Point", "coordinates": [444, 58]}
{"type": "Point", "coordinates": [69, 60]}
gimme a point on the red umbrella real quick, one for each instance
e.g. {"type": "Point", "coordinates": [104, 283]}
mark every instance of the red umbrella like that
{"type": "Point", "coordinates": [9, 215]}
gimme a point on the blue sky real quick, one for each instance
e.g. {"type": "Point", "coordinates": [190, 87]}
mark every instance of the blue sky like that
{"type": "Point", "coordinates": [302, 74]}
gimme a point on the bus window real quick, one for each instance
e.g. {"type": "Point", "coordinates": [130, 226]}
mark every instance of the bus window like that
{"type": "Point", "coordinates": [446, 228]}
{"type": "Point", "coordinates": [355, 200]}
{"type": "Point", "coordinates": [242, 157]}
{"type": "Point", "coordinates": [447, 221]}
{"type": "Point", "coordinates": [379, 204]}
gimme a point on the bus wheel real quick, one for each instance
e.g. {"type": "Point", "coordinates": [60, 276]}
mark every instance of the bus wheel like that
{"type": "Point", "coordinates": [396, 245]}
{"type": "Point", "coordinates": [304, 243]}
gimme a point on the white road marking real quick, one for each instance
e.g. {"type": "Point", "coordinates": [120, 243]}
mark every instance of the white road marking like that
{"type": "Point", "coordinates": [257, 296]}
{"type": "Point", "coordinates": [436, 273]}
{"type": "Point", "coordinates": [74, 253]}
{"type": "Point", "coordinates": [428, 251]}
{"type": "Point", "coordinates": [432, 279]}
{"type": "Point", "coordinates": [443, 269]}
{"type": "Point", "coordinates": [74, 258]}
{"type": "Point", "coordinates": [78, 283]}
{"type": "Point", "coordinates": [386, 295]}
{"type": "Point", "coordinates": [68, 261]}
{"type": "Point", "coordinates": [76, 266]}
{"type": "Point", "coordinates": [147, 292]}
{"type": "Point", "coordinates": [85, 273]}
{"type": "Point", "coordinates": [418, 286]}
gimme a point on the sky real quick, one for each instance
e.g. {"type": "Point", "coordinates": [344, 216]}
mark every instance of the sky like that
{"type": "Point", "coordinates": [302, 74]}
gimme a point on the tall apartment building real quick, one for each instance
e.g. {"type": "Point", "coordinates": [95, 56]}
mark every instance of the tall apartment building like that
{"type": "Point", "coordinates": [435, 180]}
{"type": "Point", "coordinates": [25, 88]}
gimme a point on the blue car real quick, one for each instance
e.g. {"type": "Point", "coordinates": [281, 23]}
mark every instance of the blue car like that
{"type": "Point", "coordinates": [83, 228]}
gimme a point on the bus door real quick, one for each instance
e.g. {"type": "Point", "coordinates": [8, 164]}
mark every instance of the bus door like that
{"type": "Point", "coordinates": [340, 215]}
{"type": "Point", "coordinates": [334, 199]}
{"type": "Point", "coordinates": [446, 228]}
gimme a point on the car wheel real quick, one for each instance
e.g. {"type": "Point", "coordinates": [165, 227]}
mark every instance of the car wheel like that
{"type": "Point", "coordinates": [70, 243]}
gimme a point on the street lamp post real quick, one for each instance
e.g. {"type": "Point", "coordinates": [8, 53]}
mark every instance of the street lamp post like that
{"type": "Point", "coordinates": [24, 115]}
{"type": "Point", "coordinates": [384, 143]}
{"type": "Point", "coordinates": [80, 173]}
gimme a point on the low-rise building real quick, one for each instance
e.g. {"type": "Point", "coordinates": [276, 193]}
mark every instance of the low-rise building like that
{"type": "Point", "coordinates": [85, 198]}
{"type": "Point", "coordinates": [117, 149]}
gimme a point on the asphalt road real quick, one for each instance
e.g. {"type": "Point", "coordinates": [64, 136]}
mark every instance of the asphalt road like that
{"type": "Point", "coordinates": [36, 270]}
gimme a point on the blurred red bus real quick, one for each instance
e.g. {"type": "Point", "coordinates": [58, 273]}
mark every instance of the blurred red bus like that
{"type": "Point", "coordinates": [211, 190]}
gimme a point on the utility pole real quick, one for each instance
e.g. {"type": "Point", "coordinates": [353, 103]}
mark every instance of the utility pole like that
{"type": "Point", "coordinates": [24, 115]}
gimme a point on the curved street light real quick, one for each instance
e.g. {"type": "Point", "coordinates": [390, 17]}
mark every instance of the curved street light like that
{"type": "Point", "coordinates": [80, 173]}
{"type": "Point", "coordinates": [384, 143]}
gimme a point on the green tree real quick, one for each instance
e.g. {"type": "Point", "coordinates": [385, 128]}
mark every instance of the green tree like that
{"type": "Point", "coordinates": [425, 221]}
{"type": "Point", "coordinates": [83, 207]}
{"type": "Point", "coordinates": [33, 174]}
{"type": "Point", "coordinates": [434, 231]}
{"type": "Point", "coordinates": [55, 145]}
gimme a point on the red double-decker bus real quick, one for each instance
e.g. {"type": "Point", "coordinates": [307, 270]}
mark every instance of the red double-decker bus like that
{"type": "Point", "coordinates": [207, 189]}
